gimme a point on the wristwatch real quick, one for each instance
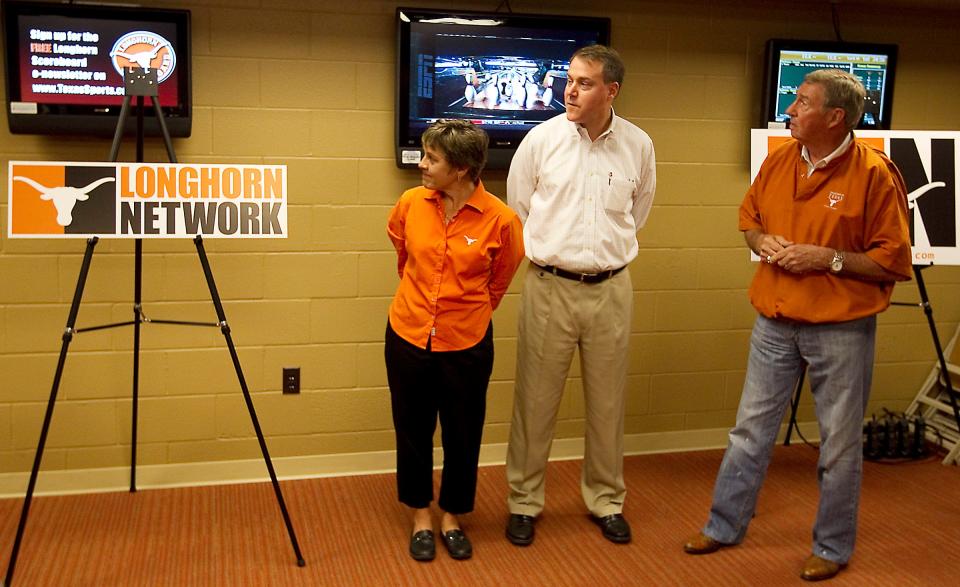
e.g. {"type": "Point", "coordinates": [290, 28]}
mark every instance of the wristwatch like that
{"type": "Point", "coordinates": [836, 265]}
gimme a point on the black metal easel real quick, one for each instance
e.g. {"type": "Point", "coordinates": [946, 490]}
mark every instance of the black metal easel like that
{"type": "Point", "coordinates": [795, 403]}
{"type": "Point", "coordinates": [928, 310]}
{"type": "Point", "coordinates": [141, 82]}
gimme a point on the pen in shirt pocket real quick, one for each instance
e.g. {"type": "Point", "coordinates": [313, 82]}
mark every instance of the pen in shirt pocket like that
{"type": "Point", "coordinates": [610, 179]}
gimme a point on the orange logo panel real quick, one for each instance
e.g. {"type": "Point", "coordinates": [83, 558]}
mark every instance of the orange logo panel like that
{"type": "Point", "coordinates": [32, 215]}
{"type": "Point", "coordinates": [774, 142]}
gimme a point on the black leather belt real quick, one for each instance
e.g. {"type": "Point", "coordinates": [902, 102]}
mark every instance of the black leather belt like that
{"type": "Point", "coordinates": [581, 277]}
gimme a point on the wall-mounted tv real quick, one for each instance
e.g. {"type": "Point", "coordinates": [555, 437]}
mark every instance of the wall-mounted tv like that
{"type": "Point", "coordinates": [64, 65]}
{"type": "Point", "coordinates": [788, 60]}
{"type": "Point", "coordinates": [505, 72]}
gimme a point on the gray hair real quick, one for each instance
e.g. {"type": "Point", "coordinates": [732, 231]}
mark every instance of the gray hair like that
{"type": "Point", "coordinates": [840, 90]}
{"type": "Point", "coordinates": [462, 144]}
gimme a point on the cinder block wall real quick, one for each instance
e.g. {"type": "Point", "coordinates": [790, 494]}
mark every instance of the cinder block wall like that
{"type": "Point", "coordinates": [310, 85]}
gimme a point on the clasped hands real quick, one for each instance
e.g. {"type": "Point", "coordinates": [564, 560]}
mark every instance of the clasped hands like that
{"type": "Point", "coordinates": [794, 257]}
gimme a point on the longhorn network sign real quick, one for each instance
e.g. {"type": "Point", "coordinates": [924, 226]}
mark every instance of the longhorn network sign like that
{"type": "Point", "coordinates": [928, 161]}
{"type": "Point", "coordinates": [145, 200]}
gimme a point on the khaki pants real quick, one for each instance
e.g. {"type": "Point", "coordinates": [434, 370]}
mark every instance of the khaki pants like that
{"type": "Point", "coordinates": [556, 316]}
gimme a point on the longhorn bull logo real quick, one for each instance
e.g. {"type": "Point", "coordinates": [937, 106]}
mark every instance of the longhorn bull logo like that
{"type": "Point", "coordinates": [145, 50]}
{"type": "Point", "coordinates": [142, 58]}
{"type": "Point", "coordinates": [64, 197]}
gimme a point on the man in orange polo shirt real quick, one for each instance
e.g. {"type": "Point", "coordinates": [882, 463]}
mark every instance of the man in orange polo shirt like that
{"type": "Point", "coordinates": [827, 214]}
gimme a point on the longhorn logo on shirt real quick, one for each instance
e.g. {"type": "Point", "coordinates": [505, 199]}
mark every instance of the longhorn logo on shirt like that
{"type": "Point", "coordinates": [835, 198]}
{"type": "Point", "coordinates": [469, 240]}
{"type": "Point", "coordinates": [145, 50]}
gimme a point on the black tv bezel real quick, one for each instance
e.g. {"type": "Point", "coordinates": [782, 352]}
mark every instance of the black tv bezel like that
{"type": "Point", "coordinates": [772, 61]}
{"type": "Point", "coordinates": [501, 153]}
{"type": "Point", "coordinates": [89, 119]}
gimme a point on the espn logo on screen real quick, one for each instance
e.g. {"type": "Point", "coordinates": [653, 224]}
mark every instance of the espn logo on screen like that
{"type": "Point", "coordinates": [143, 200]}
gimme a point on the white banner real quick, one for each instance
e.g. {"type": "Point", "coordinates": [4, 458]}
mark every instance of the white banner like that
{"type": "Point", "coordinates": [56, 199]}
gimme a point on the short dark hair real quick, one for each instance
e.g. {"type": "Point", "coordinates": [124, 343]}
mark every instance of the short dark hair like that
{"type": "Point", "coordinates": [462, 144]}
{"type": "Point", "coordinates": [613, 67]}
{"type": "Point", "coordinates": [843, 90]}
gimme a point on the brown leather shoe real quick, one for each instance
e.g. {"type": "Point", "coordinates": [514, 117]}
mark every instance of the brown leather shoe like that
{"type": "Point", "coordinates": [702, 544]}
{"type": "Point", "coordinates": [818, 569]}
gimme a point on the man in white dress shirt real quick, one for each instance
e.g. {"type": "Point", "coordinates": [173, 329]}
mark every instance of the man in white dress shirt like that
{"type": "Point", "coordinates": [583, 185]}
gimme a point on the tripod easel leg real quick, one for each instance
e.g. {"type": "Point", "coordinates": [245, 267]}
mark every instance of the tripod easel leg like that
{"type": "Point", "coordinates": [225, 329]}
{"type": "Point", "coordinates": [67, 338]}
{"type": "Point", "coordinates": [928, 310]}
{"type": "Point", "coordinates": [137, 320]}
{"type": "Point", "coordinates": [793, 408]}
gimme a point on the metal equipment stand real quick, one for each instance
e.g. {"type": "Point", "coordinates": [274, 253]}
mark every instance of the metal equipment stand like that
{"type": "Point", "coordinates": [929, 400]}
{"type": "Point", "coordinates": [140, 83]}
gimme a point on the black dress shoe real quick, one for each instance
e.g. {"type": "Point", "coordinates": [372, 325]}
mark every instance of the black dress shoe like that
{"type": "Point", "coordinates": [422, 546]}
{"type": "Point", "coordinates": [520, 529]}
{"type": "Point", "coordinates": [457, 543]}
{"type": "Point", "coordinates": [615, 528]}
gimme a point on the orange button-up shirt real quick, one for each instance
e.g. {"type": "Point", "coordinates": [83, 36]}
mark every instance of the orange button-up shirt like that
{"type": "Point", "coordinates": [856, 202]}
{"type": "Point", "coordinates": [452, 275]}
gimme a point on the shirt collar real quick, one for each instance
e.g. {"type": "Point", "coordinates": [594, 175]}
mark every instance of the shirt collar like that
{"type": "Point", "coordinates": [576, 127]}
{"type": "Point", "coordinates": [475, 200]}
{"type": "Point", "coordinates": [811, 166]}
{"type": "Point", "coordinates": [613, 123]}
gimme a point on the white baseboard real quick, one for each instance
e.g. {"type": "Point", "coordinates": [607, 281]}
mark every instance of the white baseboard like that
{"type": "Point", "coordinates": [64, 482]}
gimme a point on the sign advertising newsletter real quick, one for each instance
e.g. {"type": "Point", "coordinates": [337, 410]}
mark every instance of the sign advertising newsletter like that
{"type": "Point", "coordinates": [145, 200]}
{"type": "Point", "coordinates": [928, 161]}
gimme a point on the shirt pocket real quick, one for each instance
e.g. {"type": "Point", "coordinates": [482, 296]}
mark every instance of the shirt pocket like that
{"type": "Point", "coordinates": [618, 199]}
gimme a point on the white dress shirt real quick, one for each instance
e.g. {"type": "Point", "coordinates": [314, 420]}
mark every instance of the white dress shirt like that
{"type": "Point", "coordinates": [582, 201]}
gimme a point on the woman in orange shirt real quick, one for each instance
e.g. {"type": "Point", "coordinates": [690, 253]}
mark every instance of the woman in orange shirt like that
{"type": "Point", "coordinates": [458, 247]}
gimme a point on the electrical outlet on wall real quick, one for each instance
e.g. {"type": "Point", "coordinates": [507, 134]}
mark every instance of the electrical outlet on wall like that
{"type": "Point", "coordinates": [291, 380]}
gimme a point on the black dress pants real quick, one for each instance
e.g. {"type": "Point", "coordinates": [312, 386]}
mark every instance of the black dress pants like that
{"type": "Point", "coordinates": [423, 385]}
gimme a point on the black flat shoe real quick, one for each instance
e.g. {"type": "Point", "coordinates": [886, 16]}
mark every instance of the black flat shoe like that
{"type": "Point", "coordinates": [457, 543]}
{"type": "Point", "coordinates": [422, 546]}
{"type": "Point", "coordinates": [615, 528]}
{"type": "Point", "coordinates": [520, 529]}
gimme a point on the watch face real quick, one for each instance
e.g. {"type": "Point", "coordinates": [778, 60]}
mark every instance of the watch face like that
{"type": "Point", "coordinates": [837, 263]}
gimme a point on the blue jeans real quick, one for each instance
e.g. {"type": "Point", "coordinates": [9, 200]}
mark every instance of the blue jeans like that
{"type": "Point", "coordinates": [839, 359]}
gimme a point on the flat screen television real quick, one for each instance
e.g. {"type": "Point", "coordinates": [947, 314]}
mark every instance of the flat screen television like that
{"type": "Point", "coordinates": [788, 60]}
{"type": "Point", "coordinates": [505, 72]}
{"type": "Point", "coordinates": [64, 65]}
